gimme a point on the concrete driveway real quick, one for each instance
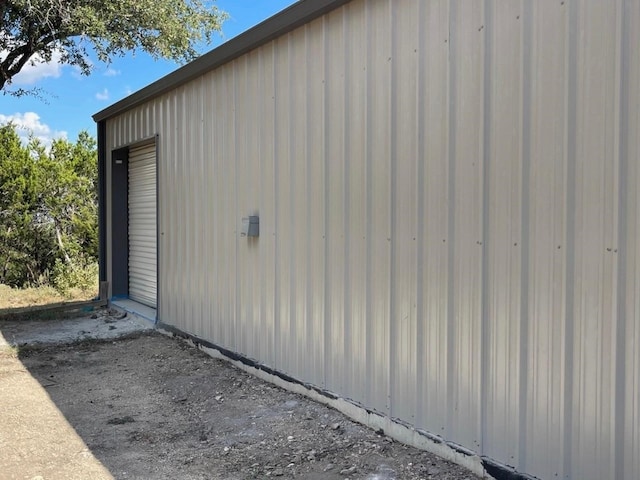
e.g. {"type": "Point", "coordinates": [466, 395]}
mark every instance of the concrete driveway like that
{"type": "Point", "coordinates": [36, 440]}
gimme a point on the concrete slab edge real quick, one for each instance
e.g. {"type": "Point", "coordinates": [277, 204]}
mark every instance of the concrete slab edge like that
{"type": "Point", "coordinates": [137, 313]}
{"type": "Point", "coordinates": [392, 428]}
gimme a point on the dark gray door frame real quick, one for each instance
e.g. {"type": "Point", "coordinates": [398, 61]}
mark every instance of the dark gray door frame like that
{"type": "Point", "coordinates": [120, 222]}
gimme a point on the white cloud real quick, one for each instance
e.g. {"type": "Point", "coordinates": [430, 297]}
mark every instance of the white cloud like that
{"type": "Point", "coordinates": [103, 95]}
{"type": "Point", "coordinates": [28, 123]}
{"type": "Point", "coordinates": [36, 69]}
{"type": "Point", "coordinates": [111, 72]}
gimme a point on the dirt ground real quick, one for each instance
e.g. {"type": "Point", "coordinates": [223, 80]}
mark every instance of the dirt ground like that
{"type": "Point", "coordinates": [151, 407]}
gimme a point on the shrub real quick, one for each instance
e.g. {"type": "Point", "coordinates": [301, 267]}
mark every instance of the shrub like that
{"type": "Point", "coordinates": [77, 279]}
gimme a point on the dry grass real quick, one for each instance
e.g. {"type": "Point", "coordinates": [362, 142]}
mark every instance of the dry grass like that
{"type": "Point", "coordinates": [8, 351]}
{"type": "Point", "coordinates": [27, 297]}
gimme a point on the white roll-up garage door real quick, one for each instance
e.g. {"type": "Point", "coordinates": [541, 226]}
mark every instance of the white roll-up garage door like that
{"type": "Point", "coordinates": [142, 225]}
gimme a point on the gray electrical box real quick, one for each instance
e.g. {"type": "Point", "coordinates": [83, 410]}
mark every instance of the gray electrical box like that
{"type": "Point", "coordinates": [250, 227]}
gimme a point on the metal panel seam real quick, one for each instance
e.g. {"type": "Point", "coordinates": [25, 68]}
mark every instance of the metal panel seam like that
{"type": "Point", "coordinates": [369, 202]}
{"type": "Point", "coordinates": [570, 209]}
{"type": "Point", "coordinates": [393, 221]}
{"type": "Point", "coordinates": [453, 15]}
{"type": "Point", "coordinates": [486, 222]}
{"type": "Point", "coordinates": [621, 297]}
{"type": "Point", "coordinates": [524, 229]}
{"type": "Point", "coordinates": [420, 169]}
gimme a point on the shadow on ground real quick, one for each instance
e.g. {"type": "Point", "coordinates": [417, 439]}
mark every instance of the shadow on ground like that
{"type": "Point", "coordinates": [147, 406]}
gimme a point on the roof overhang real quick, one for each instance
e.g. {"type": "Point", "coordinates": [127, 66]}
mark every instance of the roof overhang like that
{"type": "Point", "coordinates": [287, 20]}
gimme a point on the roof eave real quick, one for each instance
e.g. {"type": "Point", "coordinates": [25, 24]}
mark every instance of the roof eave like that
{"type": "Point", "coordinates": [287, 20]}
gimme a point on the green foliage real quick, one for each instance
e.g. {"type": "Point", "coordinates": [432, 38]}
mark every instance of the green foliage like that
{"type": "Point", "coordinates": [163, 28]}
{"type": "Point", "coordinates": [48, 211]}
{"type": "Point", "coordinates": [79, 275]}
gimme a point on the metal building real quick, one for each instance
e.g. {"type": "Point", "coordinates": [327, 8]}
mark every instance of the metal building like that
{"type": "Point", "coordinates": [449, 233]}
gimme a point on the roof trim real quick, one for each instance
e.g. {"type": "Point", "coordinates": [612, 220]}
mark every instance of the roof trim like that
{"type": "Point", "coordinates": [281, 23]}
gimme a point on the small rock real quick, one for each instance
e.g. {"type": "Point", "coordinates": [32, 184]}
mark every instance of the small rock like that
{"type": "Point", "coordinates": [328, 467]}
{"type": "Point", "coordinates": [290, 438]}
{"type": "Point", "coordinates": [94, 316]}
{"type": "Point", "coordinates": [278, 472]}
{"type": "Point", "coordinates": [112, 327]}
{"type": "Point", "coordinates": [335, 426]}
{"type": "Point", "coordinates": [347, 471]}
{"type": "Point", "coordinates": [120, 420]}
{"type": "Point", "coordinates": [433, 471]}
{"type": "Point", "coordinates": [219, 398]}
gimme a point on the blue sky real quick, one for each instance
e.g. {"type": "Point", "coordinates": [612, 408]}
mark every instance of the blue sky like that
{"type": "Point", "coordinates": [69, 99]}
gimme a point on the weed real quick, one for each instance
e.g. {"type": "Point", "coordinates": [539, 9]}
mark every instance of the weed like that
{"type": "Point", "coordinates": [9, 351]}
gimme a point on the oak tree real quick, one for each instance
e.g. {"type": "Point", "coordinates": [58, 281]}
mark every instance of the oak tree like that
{"type": "Point", "coordinates": [38, 30]}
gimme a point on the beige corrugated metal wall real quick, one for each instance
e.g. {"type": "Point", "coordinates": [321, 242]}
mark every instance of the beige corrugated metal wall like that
{"type": "Point", "coordinates": [449, 230]}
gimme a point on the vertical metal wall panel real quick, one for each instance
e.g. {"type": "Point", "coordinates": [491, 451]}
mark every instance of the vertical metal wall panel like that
{"type": "Point", "coordinates": [201, 183]}
{"type": "Point", "coordinates": [628, 348]}
{"type": "Point", "coordinates": [267, 180]}
{"type": "Point", "coordinates": [205, 199]}
{"type": "Point", "coordinates": [299, 199]}
{"type": "Point", "coordinates": [216, 215]}
{"type": "Point", "coordinates": [167, 215]}
{"type": "Point", "coordinates": [379, 177]}
{"type": "Point", "coordinates": [336, 355]}
{"type": "Point", "coordinates": [282, 188]}
{"type": "Point", "coordinates": [316, 192]}
{"type": "Point", "coordinates": [504, 197]}
{"type": "Point", "coordinates": [433, 202]}
{"type": "Point", "coordinates": [349, 96]}
{"type": "Point", "coordinates": [595, 180]}
{"type": "Point", "coordinates": [178, 239]}
{"type": "Point", "coordinates": [466, 214]}
{"type": "Point", "coordinates": [340, 361]}
{"type": "Point", "coordinates": [194, 228]}
{"type": "Point", "coordinates": [404, 221]}
{"type": "Point", "coordinates": [248, 168]}
{"type": "Point", "coordinates": [447, 194]}
{"type": "Point", "coordinates": [543, 436]}
{"type": "Point", "coordinates": [230, 219]}
{"type": "Point", "coordinates": [245, 136]}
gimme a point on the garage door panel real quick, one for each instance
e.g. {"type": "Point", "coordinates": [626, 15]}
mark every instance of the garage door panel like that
{"type": "Point", "coordinates": [142, 225]}
{"type": "Point", "coordinates": [142, 257]}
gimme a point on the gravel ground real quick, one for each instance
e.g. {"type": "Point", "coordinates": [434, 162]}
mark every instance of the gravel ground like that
{"type": "Point", "coordinates": [152, 407]}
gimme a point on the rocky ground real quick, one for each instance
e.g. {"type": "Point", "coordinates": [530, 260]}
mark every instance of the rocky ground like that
{"type": "Point", "coordinates": [151, 407]}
